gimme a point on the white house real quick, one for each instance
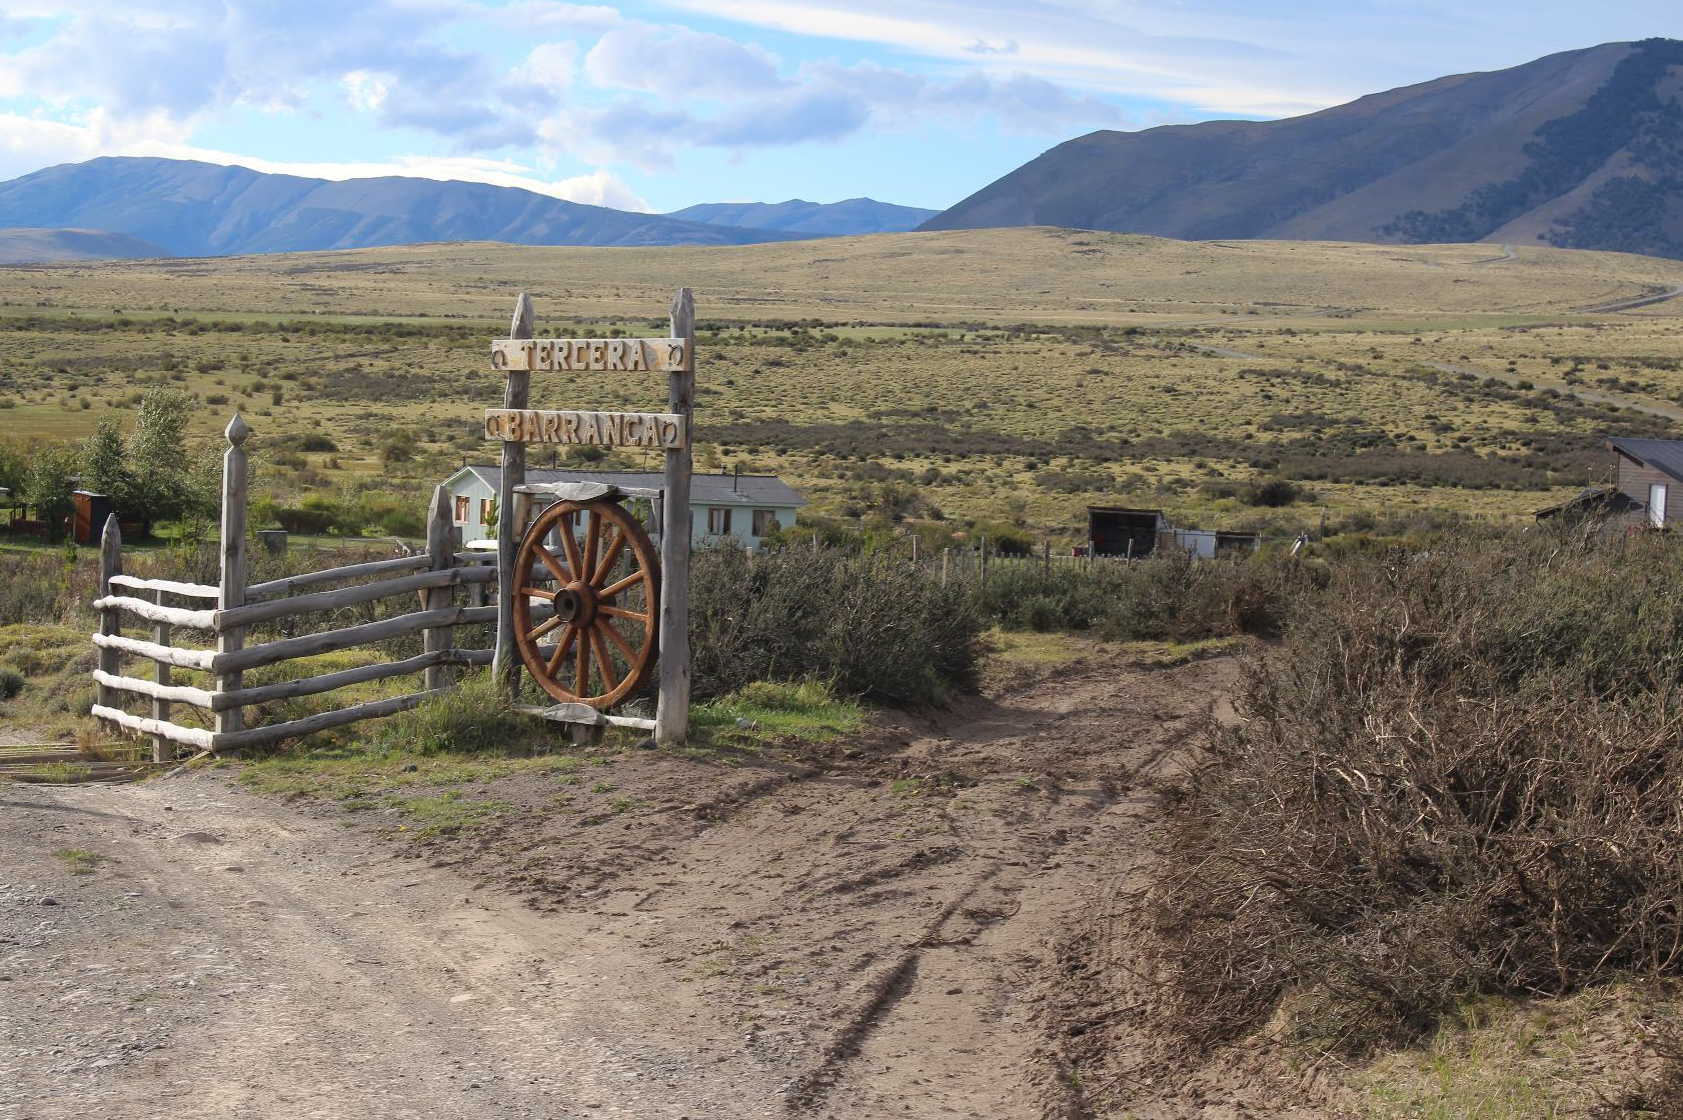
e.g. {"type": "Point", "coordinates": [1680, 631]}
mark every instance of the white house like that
{"type": "Point", "coordinates": [739, 507]}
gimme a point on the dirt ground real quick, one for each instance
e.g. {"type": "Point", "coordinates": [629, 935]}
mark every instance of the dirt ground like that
{"type": "Point", "coordinates": [921, 921]}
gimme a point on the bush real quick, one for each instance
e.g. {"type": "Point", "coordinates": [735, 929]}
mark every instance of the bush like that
{"type": "Point", "coordinates": [873, 627]}
{"type": "Point", "coordinates": [470, 719]}
{"type": "Point", "coordinates": [317, 441]}
{"type": "Point", "coordinates": [11, 682]}
{"type": "Point", "coordinates": [1461, 777]}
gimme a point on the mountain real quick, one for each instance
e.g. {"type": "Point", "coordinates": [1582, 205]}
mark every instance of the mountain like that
{"type": "Point", "coordinates": [1579, 150]}
{"type": "Point", "coordinates": [202, 209]}
{"type": "Point", "coordinates": [816, 219]}
{"type": "Point", "coordinates": [36, 246]}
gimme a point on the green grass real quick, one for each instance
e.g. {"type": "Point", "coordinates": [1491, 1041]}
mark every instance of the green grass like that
{"type": "Point", "coordinates": [79, 861]}
{"type": "Point", "coordinates": [444, 813]}
{"type": "Point", "coordinates": [1042, 650]}
{"type": "Point", "coordinates": [808, 711]}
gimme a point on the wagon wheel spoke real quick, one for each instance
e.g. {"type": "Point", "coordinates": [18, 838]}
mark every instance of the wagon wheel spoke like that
{"type": "Point", "coordinates": [621, 612]}
{"type": "Point", "coordinates": [620, 643]}
{"type": "Point", "coordinates": [561, 648]}
{"type": "Point", "coordinates": [555, 569]}
{"type": "Point", "coordinates": [581, 674]}
{"type": "Point", "coordinates": [615, 588]}
{"type": "Point", "coordinates": [608, 558]}
{"type": "Point", "coordinates": [545, 627]}
{"type": "Point", "coordinates": [604, 663]}
{"type": "Point", "coordinates": [592, 536]}
{"type": "Point", "coordinates": [570, 546]}
{"type": "Point", "coordinates": [538, 593]}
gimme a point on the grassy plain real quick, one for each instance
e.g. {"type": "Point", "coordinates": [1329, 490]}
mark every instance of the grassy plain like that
{"type": "Point", "coordinates": [1016, 375]}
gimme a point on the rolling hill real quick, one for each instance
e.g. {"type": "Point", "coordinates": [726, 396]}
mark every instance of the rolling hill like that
{"type": "Point", "coordinates": [40, 246]}
{"type": "Point", "coordinates": [202, 209]}
{"type": "Point", "coordinates": [1577, 150]}
{"type": "Point", "coordinates": [816, 219]}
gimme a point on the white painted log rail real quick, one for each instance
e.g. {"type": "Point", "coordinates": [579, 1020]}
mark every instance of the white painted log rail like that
{"type": "Point", "coordinates": [432, 576]}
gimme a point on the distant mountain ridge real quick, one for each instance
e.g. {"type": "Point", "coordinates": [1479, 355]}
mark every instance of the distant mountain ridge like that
{"type": "Point", "coordinates": [817, 219]}
{"type": "Point", "coordinates": [200, 209]}
{"type": "Point", "coordinates": [41, 246]}
{"type": "Point", "coordinates": [1579, 150]}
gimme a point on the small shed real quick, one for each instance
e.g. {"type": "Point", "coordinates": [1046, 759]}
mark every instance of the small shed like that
{"type": "Point", "coordinates": [88, 521]}
{"type": "Point", "coordinates": [1119, 531]}
{"type": "Point", "coordinates": [1651, 477]}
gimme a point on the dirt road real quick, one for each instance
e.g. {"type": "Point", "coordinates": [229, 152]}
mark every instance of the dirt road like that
{"type": "Point", "coordinates": [886, 926]}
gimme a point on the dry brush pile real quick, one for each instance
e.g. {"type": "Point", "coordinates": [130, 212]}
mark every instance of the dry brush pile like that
{"type": "Point", "coordinates": [1461, 775]}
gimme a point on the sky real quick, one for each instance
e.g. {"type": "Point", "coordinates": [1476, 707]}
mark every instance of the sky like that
{"type": "Point", "coordinates": [658, 105]}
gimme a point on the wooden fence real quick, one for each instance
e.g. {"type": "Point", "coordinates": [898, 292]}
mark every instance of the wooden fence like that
{"type": "Point", "coordinates": [433, 576]}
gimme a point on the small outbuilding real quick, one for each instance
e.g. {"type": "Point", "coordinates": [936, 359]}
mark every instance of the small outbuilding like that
{"type": "Point", "coordinates": [1650, 476]}
{"type": "Point", "coordinates": [1134, 534]}
{"type": "Point", "coordinates": [88, 520]}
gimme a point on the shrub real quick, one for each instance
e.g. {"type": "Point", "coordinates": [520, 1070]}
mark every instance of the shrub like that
{"type": "Point", "coordinates": [317, 441]}
{"type": "Point", "coordinates": [872, 626]}
{"type": "Point", "coordinates": [470, 719]}
{"type": "Point", "coordinates": [1461, 777]}
{"type": "Point", "coordinates": [11, 682]}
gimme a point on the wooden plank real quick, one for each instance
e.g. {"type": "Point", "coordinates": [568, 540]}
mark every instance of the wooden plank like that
{"type": "Point", "coordinates": [332, 600]}
{"type": "Point", "coordinates": [186, 694]}
{"type": "Point", "coordinates": [440, 550]}
{"type": "Point", "coordinates": [231, 588]}
{"type": "Point", "coordinates": [583, 713]}
{"type": "Point", "coordinates": [170, 655]}
{"type": "Point", "coordinates": [189, 590]}
{"type": "Point", "coordinates": [516, 394]}
{"type": "Point", "coordinates": [662, 430]}
{"type": "Point", "coordinates": [192, 736]}
{"type": "Point", "coordinates": [672, 713]}
{"type": "Point", "coordinates": [307, 645]}
{"type": "Point", "coordinates": [327, 682]}
{"type": "Point", "coordinates": [110, 620]}
{"type": "Point", "coordinates": [309, 725]}
{"type": "Point", "coordinates": [334, 575]}
{"type": "Point", "coordinates": [152, 612]}
{"type": "Point", "coordinates": [526, 354]}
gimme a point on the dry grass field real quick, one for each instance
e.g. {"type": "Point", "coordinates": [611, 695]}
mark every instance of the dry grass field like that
{"type": "Point", "coordinates": [1016, 375]}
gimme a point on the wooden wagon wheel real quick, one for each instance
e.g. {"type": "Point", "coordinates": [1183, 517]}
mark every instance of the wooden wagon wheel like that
{"type": "Point", "coordinates": [595, 601]}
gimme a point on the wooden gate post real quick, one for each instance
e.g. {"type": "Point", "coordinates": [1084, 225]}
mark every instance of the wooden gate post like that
{"type": "Point", "coordinates": [505, 662]}
{"type": "Point", "coordinates": [441, 550]}
{"type": "Point", "coordinates": [110, 618]}
{"type": "Point", "coordinates": [162, 751]}
{"type": "Point", "coordinates": [231, 588]}
{"type": "Point", "coordinates": [672, 712]}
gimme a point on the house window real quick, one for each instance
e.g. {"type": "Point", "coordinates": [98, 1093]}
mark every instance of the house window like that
{"type": "Point", "coordinates": [485, 510]}
{"type": "Point", "coordinates": [1656, 504]}
{"type": "Point", "coordinates": [461, 509]}
{"type": "Point", "coordinates": [718, 522]}
{"type": "Point", "coordinates": [764, 519]}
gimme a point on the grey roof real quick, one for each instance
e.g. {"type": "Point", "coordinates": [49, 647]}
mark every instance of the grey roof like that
{"type": "Point", "coordinates": [1661, 454]}
{"type": "Point", "coordinates": [761, 490]}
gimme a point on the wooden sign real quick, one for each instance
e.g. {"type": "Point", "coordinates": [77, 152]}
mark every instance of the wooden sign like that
{"type": "Point", "coordinates": [654, 355]}
{"type": "Point", "coordinates": [663, 430]}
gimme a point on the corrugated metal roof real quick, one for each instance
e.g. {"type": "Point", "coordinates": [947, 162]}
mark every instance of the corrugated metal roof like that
{"type": "Point", "coordinates": [761, 490]}
{"type": "Point", "coordinates": [1661, 454]}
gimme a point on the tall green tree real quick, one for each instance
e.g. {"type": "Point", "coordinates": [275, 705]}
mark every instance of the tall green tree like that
{"type": "Point", "coordinates": [159, 459]}
{"type": "Point", "coordinates": [47, 485]}
{"type": "Point", "coordinates": [105, 468]}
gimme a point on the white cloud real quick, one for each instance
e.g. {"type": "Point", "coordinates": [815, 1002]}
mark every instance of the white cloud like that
{"type": "Point", "coordinates": [366, 91]}
{"type": "Point", "coordinates": [551, 66]}
{"type": "Point", "coordinates": [677, 62]}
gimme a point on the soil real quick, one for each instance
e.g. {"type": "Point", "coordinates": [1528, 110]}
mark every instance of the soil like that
{"type": "Point", "coordinates": [925, 920]}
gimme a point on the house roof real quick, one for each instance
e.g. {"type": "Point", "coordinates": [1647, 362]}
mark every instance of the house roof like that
{"type": "Point", "coordinates": [763, 490]}
{"type": "Point", "coordinates": [1665, 455]}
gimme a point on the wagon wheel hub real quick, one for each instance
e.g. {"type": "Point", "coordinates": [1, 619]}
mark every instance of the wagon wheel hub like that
{"type": "Point", "coordinates": [576, 603]}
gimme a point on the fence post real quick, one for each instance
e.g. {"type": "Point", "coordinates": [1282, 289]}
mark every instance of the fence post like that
{"type": "Point", "coordinates": [983, 562]}
{"type": "Point", "coordinates": [914, 549]}
{"type": "Point", "coordinates": [231, 588]}
{"type": "Point", "coordinates": [505, 662]}
{"type": "Point", "coordinates": [162, 749]}
{"type": "Point", "coordinates": [442, 552]}
{"type": "Point", "coordinates": [1046, 556]}
{"type": "Point", "coordinates": [946, 564]}
{"type": "Point", "coordinates": [110, 618]}
{"type": "Point", "coordinates": [672, 711]}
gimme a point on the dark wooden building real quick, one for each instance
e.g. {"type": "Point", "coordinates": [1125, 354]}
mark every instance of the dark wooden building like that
{"type": "Point", "coordinates": [88, 521]}
{"type": "Point", "coordinates": [1651, 479]}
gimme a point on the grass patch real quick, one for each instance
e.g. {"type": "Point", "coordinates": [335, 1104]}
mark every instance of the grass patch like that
{"type": "Point", "coordinates": [809, 711]}
{"type": "Point", "coordinates": [1045, 650]}
{"type": "Point", "coordinates": [444, 813]}
{"type": "Point", "coordinates": [79, 861]}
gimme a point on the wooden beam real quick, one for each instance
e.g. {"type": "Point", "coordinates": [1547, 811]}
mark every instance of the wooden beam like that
{"type": "Point", "coordinates": [198, 697]}
{"type": "Point", "coordinates": [672, 712]}
{"type": "Point", "coordinates": [171, 655]}
{"type": "Point", "coordinates": [192, 736]}
{"type": "Point", "coordinates": [516, 394]}
{"type": "Point", "coordinates": [333, 575]}
{"type": "Point", "coordinates": [231, 588]}
{"type": "Point", "coordinates": [307, 645]}
{"type": "Point", "coordinates": [152, 612]}
{"type": "Point", "coordinates": [440, 550]}
{"type": "Point", "coordinates": [189, 590]}
{"type": "Point", "coordinates": [161, 677]}
{"type": "Point", "coordinates": [332, 600]}
{"type": "Point", "coordinates": [309, 725]}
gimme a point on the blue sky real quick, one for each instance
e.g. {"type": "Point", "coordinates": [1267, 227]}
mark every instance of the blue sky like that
{"type": "Point", "coordinates": [659, 105]}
